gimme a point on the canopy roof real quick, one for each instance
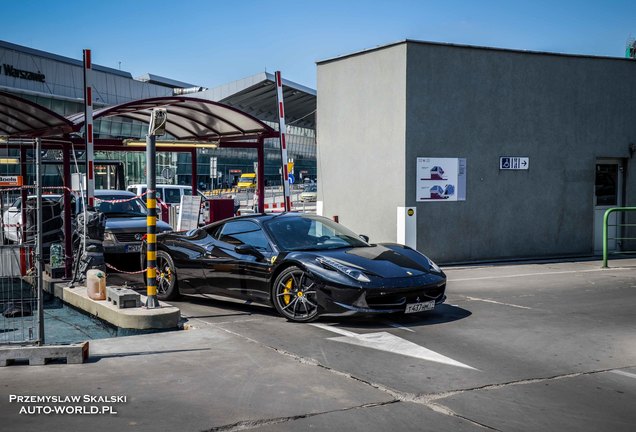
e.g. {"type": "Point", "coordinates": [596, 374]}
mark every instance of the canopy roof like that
{"type": "Point", "coordinates": [188, 118]}
{"type": "Point", "coordinates": [24, 119]}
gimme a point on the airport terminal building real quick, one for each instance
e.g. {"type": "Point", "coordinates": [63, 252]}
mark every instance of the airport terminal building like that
{"type": "Point", "coordinates": [56, 82]}
{"type": "Point", "coordinates": [477, 153]}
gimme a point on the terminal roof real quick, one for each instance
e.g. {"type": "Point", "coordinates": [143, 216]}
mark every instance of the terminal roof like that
{"type": "Point", "coordinates": [256, 95]}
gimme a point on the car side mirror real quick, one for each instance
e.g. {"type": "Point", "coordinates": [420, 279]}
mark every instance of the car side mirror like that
{"type": "Point", "coordinates": [364, 237]}
{"type": "Point", "coordinates": [13, 210]}
{"type": "Point", "coordinates": [246, 249]}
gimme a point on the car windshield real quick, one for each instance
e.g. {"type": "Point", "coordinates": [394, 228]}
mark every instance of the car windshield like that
{"type": "Point", "coordinates": [311, 233]}
{"type": "Point", "coordinates": [311, 188]}
{"type": "Point", "coordinates": [120, 205]}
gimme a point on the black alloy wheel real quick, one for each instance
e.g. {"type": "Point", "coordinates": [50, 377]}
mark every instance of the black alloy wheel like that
{"type": "Point", "coordinates": [166, 277]}
{"type": "Point", "coordinates": [294, 295]}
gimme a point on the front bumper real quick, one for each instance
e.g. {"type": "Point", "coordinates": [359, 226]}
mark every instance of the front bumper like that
{"type": "Point", "coordinates": [391, 297]}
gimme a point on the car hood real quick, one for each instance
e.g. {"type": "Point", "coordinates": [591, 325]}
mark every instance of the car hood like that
{"type": "Point", "coordinates": [137, 224]}
{"type": "Point", "coordinates": [388, 261]}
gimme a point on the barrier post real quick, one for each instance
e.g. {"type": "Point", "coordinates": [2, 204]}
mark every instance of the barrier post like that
{"type": "Point", "coordinates": [282, 129]}
{"type": "Point", "coordinates": [156, 127]}
{"type": "Point", "coordinates": [151, 224]}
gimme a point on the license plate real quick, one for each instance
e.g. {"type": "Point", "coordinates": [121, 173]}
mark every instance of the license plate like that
{"type": "Point", "coordinates": [420, 307]}
{"type": "Point", "coordinates": [133, 248]}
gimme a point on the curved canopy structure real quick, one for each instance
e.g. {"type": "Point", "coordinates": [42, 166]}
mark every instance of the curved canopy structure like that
{"type": "Point", "coordinates": [21, 118]}
{"type": "Point", "coordinates": [188, 118]}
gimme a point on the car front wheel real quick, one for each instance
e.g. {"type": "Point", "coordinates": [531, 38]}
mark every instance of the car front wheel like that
{"type": "Point", "coordinates": [166, 277]}
{"type": "Point", "coordinates": [294, 295]}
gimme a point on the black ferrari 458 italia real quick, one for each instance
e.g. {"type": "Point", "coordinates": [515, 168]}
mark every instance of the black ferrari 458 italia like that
{"type": "Point", "coordinates": [303, 265]}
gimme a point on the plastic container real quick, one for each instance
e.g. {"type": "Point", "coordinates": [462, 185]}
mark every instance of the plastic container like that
{"type": "Point", "coordinates": [96, 284]}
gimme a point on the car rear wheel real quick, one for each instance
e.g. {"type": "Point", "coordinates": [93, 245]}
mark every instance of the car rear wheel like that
{"type": "Point", "coordinates": [166, 277]}
{"type": "Point", "coordinates": [294, 295]}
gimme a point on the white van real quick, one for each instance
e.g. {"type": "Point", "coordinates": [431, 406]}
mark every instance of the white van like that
{"type": "Point", "coordinates": [170, 194]}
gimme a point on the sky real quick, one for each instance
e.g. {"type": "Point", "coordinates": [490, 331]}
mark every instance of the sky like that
{"type": "Point", "coordinates": [213, 42]}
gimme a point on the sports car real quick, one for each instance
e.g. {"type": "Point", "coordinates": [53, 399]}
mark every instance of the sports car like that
{"type": "Point", "coordinates": [303, 265]}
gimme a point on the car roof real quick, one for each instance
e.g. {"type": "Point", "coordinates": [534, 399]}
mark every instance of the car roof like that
{"type": "Point", "coordinates": [103, 192]}
{"type": "Point", "coordinates": [143, 185]}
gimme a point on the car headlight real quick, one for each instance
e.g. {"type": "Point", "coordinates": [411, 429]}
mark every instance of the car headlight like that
{"type": "Point", "coordinates": [342, 268]}
{"type": "Point", "coordinates": [433, 265]}
{"type": "Point", "coordinates": [109, 236]}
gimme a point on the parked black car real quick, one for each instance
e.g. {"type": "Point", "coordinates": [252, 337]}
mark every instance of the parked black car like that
{"type": "Point", "coordinates": [125, 220]}
{"type": "Point", "coordinates": [305, 266]}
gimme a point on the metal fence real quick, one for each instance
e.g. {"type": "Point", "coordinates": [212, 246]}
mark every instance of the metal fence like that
{"type": "Point", "coordinates": [19, 300]}
{"type": "Point", "coordinates": [625, 236]}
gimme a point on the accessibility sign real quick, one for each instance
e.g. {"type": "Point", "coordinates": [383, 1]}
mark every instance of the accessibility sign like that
{"type": "Point", "coordinates": [514, 163]}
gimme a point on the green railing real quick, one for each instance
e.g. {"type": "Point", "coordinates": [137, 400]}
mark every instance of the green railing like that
{"type": "Point", "coordinates": [606, 224]}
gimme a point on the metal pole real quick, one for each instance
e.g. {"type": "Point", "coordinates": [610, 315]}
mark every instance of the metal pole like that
{"type": "Point", "coordinates": [151, 238]}
{"type": "Point", "coordinates": [21, 231]}
{"type": "Point", "coordinates": [39, 249]}
{"type": "Point", "coordinates": [88, 129]}
{"type": "Point", "coordinates": [68, 235]}
{"type": "Point", "coordinates": [195, 173]}
{"type": "Point", "coordinates": [282, 129]}
{"type": "Point", "coordinates": [260, 181]}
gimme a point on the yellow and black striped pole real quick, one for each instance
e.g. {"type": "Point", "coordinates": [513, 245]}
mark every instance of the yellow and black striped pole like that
{"type": "Point", "coordinates": [151, 221]}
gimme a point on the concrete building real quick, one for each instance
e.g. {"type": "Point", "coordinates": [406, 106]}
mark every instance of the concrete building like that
{"type": "Point", "coordinates": [570, 118]}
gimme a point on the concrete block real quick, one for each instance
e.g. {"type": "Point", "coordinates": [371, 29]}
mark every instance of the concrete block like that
{"type": "Point", "coordinates": [40, 355]}
{"type": "Point", "coordinates": [123, 297]}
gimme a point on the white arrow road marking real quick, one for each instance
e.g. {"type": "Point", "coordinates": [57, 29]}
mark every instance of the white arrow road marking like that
{"type": "Point", "coordinates": [499, 303]}
{"type": "Point", "coordinates": [384, 341]}
{"type": "Point", "coordinates": [398, 326]}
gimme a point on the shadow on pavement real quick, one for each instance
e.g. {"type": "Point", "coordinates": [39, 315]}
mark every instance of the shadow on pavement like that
{"type": "Point", "coordinates": [97, 357]}
{"type": "Point", "coordinates": [442, 314]}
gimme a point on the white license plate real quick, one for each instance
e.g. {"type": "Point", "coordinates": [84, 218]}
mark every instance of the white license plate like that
{"type": "Point", "coordinates": [420, 307]}
{"type": "Point", "coordinates": [133, 248]}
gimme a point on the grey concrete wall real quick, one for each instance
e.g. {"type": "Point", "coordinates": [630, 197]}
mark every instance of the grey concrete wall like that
{"type": "Point", "coordinates": [360, 140]}
{"type": "Point", "coordinates": [560, 111]}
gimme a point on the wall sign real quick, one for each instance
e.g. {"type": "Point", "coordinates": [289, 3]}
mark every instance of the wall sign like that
{"type": "Point", "coordinates": [441, 179]}
{"type": "Point", "coordinates": [23, 74]}
{"type": "Point", "coordinates": [514, 163]}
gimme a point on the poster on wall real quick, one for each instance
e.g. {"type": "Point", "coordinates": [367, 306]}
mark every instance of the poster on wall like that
{"type": "Point", "coordinates": [441, 179]}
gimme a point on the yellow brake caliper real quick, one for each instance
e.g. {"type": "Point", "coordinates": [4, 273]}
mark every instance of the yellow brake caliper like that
{"type": "Point", "coordinates": [288, 287]}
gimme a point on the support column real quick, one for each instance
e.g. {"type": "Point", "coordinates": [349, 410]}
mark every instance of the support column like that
{"type": "Point", "coordinates": [68, 235]}
{"type": "Point", "coordinates": [195, 174]}
{"type": "Point", "coordinates": [39, 250]}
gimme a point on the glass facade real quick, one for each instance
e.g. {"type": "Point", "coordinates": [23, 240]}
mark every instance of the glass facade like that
{"type": "Point", "coordinates": [231, 163]}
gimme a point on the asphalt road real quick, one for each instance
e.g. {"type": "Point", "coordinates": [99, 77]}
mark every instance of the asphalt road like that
{"type": "Point", "coordinates": [534, 347]}
{"type": "Point", "coordinates": [517, 347]}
